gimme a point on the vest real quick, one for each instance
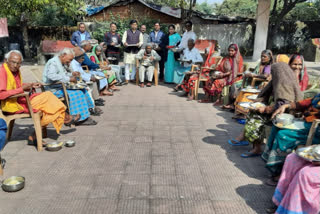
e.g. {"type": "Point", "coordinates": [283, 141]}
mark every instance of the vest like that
{"type": "Point", "coordinates": [132, 38]}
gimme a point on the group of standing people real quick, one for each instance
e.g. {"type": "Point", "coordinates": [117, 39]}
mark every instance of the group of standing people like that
{"type": "Point", "coordinates": [134, 40]}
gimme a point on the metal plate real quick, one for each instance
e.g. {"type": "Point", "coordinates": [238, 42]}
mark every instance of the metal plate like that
{"type": "Point", "coordinates": [306, 153]}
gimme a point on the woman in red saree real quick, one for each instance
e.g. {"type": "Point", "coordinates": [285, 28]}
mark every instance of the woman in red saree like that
{"type": "Point", "coordinates": [229, 67]}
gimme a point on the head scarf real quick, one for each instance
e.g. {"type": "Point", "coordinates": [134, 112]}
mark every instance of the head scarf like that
{"type": "Point", "coordinates": [283, 85]}
{"type": "Point", "coordinates": [103, 53]}
{"type": "Point", "coordinates": [303, 77]}
{"type": "Point", "coordinates": [233, 64]}
{"type": "Point", "coordinates": [282, 58]}
{"type": "Point", "coordinates": [93, 53]}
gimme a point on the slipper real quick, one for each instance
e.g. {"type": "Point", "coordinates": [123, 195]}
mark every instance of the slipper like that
{"type": "Point", "coordinates": [271, 182]}
{"type": "Point", "coordinates": [249, 155]}
{"type": "Point", "coordinates": [204, 101]}
{"type": "Point", "coordinates": [238, 143]}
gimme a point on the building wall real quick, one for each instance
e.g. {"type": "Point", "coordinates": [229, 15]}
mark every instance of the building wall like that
{"type": "Point", "coordinates": [225, 34]}
{"type": "Point", "coordinates": [135, 10]}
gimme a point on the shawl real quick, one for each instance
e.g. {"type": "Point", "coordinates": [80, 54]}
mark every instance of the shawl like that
{"type": "Point", "coordinates": [303, 77]}
{"type": "Point", "coordinates": [93, 53]}
{"type": "Point", "coordinates": [283, 85]}
{"type": "Point", "coordinates": [11, 104]}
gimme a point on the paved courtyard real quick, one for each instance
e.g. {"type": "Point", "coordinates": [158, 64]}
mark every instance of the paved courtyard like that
{"type": "Point", "coordinates": [152, 152]}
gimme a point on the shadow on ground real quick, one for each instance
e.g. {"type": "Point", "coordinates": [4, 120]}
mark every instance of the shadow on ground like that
{"type": "Point", "coordinates": [253, 167]}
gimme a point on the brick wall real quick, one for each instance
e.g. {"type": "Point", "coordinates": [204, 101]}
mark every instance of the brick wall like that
{"type": "Point", "coordinates": [134, 10]}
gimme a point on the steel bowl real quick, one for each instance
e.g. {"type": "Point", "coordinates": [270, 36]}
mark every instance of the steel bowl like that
{"type": "Point", "coordinates": [284, 119]}
{"type": "Point", "coordinates": [13, 184]}
{"type": "Point", "coordinates": [54, 146]}
{"type": "Point", "coordinates": [70, 143]}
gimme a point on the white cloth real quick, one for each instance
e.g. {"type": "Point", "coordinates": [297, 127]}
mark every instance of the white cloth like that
{"type": "Point", "coordinates": [185, 37]}
{"type": "Point", "coordinates": [193, 55]}
{"type": "Point", "coordinates": [130, 58]}
{"type": "Point", "coordinates": [130, 68]}
{"type": "Point", "coordinates": [146, 69]}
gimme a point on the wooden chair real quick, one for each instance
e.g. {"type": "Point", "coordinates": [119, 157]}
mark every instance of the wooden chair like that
{"type": "Point", "coordinates": [312, 131]}
{"type": "Point", "coordinates": [226, 89]}
{"type": "Point", "coordinates": [155, 75]}
{"type": "Point", "coordinates": [36, 117]}
{"type": "Point", "coordinates": [37, 74]}
{"type": "Point", "coordinates": [201, 79]}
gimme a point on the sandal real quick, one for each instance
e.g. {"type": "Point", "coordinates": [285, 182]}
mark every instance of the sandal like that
{"type": "Point", "coordinates": [74, 119]}
{"type": "Point", "coordinates": [250, 155]}
{"type": "Point", "coordinates": [238, 143]}
{"type": "Point", "coordinates": [33, 141]}
{"type": "Point", "coordinates": [204, 101]}
{"type": "Point", "coordinates": [87, 122]}
{"type": "Point", "coordinates": [271, 182]}
{"type": "Point", "coordinates": [3, 162]}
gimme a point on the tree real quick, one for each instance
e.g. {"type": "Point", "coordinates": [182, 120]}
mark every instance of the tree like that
{"type": "Point", "coordinates": [243, 8]}
{"type": "Point", "coordinates": [24, 9]}
{"type": "Point", "coordinates": [204, 7]}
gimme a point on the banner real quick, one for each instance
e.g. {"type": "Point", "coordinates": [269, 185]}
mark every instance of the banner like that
{"type": "Point", "coordinates": [3, 28]}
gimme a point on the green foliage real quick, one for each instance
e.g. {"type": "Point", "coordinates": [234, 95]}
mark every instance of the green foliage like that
{"type": "Point", "coordinates": [205, 8]}
{"type": "Point", "coordinates": [171, 3]}
{"type": "Point", "coordinates": [122, 25]}
{"type": "Point", "coordinates": [52, 16]}
{"type": "Point", "coordinates": [305, 12]}
{"type": "Point", "coordinates": [24, 10]}
{"type": "Point", "coordinates": [243, 8]}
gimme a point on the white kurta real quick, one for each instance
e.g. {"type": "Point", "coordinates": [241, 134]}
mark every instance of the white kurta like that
{"type": "Point", "coordinates": [130, 58]}
{"type": "Point", "coordinates": [185, 37]}
{"type": "Point", "coordinates": [193, 55]}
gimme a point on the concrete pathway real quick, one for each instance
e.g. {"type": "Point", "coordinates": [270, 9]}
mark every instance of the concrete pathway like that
{"type": "Point", "coordinates": [152, 152]}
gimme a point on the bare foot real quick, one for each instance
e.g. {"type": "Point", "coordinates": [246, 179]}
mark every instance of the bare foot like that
{"type": "Point", "coordinates": [217, 103]}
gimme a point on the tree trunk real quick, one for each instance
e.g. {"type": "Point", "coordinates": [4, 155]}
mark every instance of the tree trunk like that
{"type": "Point", "coordinates": [25, 37]}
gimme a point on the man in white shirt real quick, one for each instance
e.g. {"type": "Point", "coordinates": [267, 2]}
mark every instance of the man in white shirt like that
{"type": "Point", "coordinates": [189, 34]}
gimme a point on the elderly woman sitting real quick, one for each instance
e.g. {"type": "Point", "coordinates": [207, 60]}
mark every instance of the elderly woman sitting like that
{"type": "Point", "coordinates": [57, 70]}
{"type": "Point", "coordinates": [281, 142]}
{"type": "Point", "coordinates": [284, 88]}
{"type": "Point", "coordinates": [96, 56]}
{"type": "Point", "coordinates": [53, 110]}
{"type": "Point", "coordinates": [298, 189]}
{"type": "Point", "coordinates": [147, 58]}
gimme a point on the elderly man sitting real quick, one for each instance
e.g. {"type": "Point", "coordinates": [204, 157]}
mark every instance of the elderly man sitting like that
{"type": "Point", "coordinates": [147, 58]}
{"type": "Point", "coordinates": [54, 111]}
{"type": "Point", "coordinates": [87, 77]}
{"type": "Point", "coordinates": [56, 70]}
{"type": "Point", "coordinates": [94, 69]}
{"type": "Point", "coordinates": [186, 79]}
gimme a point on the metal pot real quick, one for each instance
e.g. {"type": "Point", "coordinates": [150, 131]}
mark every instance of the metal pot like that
{"type": "Point", "coordinates": [70, 143]}
{"type": "Point", "coordinates": [54, 146]}
{"type": "Point", "coordinates": [13, 184]}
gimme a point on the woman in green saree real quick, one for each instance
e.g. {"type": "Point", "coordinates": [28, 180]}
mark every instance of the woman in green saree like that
{"type": "Point", "coordinates": [97, 57]}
